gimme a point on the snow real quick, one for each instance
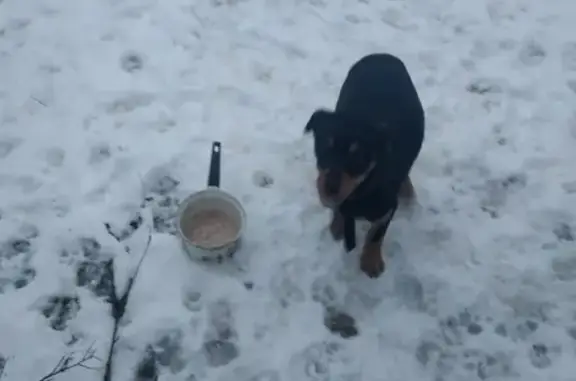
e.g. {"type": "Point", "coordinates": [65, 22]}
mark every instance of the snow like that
{"type": "Point", "coordinates": [100, 100]}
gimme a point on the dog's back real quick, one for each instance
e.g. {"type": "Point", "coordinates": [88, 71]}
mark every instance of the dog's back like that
{"type": "Point", "coordinates": [379, 87]}
{"type": "Point", "coordinates": [378, 90]}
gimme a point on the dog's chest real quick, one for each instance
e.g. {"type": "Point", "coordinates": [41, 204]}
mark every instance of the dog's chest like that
{"type": "Point", "coordinates": [369, 207]}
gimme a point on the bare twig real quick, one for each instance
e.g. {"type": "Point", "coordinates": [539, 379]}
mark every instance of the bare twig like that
{"type": "Point", "coordinates": [3, 363]}
{"type": "Point", "coordinates": [119, 304]}
{"type": "Point", "coordinates": [39, 101]}
{"type": "Point", "coordinates": [70, 361]}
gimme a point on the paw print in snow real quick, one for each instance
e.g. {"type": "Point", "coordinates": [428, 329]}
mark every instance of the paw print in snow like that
{"type": "Point", "coordinates": [26, 276]}
{"type": "Point", "coordinates": [571, 83]}
{"type": "Point", "coordinates": [262, 179]}
{"type": "Point", "coordinates": [159, 182]}
{"type": "Point", "coordinates": [323, 292]}
{"type": "Point", "coordinates": [220, 352]}
{"type": "Point", "coordinates": [319, 360]}
{"type": "Point", "coordinates": [131, 62]}
{"type": "Point", "coordinates": [93, 276]}
{"type": "Point", "coordinates": [91, 271]}
{"type": "Point", "coordinates": [340, 323]}
{"type": "Point", "coordinates": [410, 289]}
{"type": "Point", "coordinates": [518, 330]}
{"type": "Point", "coordinates": [147, 368]}
{"type": "Point", "coordinates": [564, 268]}
{"type": "Point", "coordinates": [121, 234]}
{"type": "Point", "coordinates": [531, 53]}
{"type": "Point", "coordinates": [569, 56]}
{"type": "Point", "coordinates": [564, 232]}
{"type": "Point", "coordinates": [60, 309]}
{"type": "Point", "coordinates": [483, 86]}
{"type": "Point", "coordinates": [99, 153]}
{"type": "Point", "coordinates": [192, 300]}
{"type": "Point", "coordinates": [2, 358]}
{"type": "Point", "coordinates": [542, 356]}
{"type": "Point", "coordinates": [15, 247]}
{"type": "Point", "coordinates": [7, 146]}
{"type": "Point", "coordinates": [168, 350]}
{"type": "Point", "coordinates": [164, 214]}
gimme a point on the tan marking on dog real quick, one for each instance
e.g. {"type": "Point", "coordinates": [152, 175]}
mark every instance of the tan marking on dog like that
{"type": "Point", "coordinates": [348, 185]}
{"type": "Point", "coordinates": [372, 260]}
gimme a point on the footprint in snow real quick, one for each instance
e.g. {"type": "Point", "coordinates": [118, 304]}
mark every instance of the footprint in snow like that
{"type": "Point", "coordinates": [564, 268]}
{"type": "Point", "coordinates": [124, 232]}
{"type": "Point", "coordinates": [16, 255]}
{"type": "Point", "coordinates": [3, 360]}
{"type": "Point", "coordinates": [131, 62]}
{"type": "Point", "coordinates": [411, 291]}
{"type": "Point", "coordinates": [541, 355]}
{"type": "Point", "coordinates": [262, 179]}
{"type": "Point", "coordinates": [99, 153]}
{"type": "Point", "coordinates": [219, 347]}
{"type": "Point", "coordinates": [159, 186]}
{"type": "Point", "coordinates": [531, 53]}
{"type": "Point", "coordinates": [340, 323]}
{"type": "Point", "coordinates": [168, 350]}
{"type": "Point", "coordinates": [55, 156]}
{"type": "Point", "coordinates": [8, 145]}
{"type": "Point", "coordinates": [475, 364]}
{"type": "Point", "coordinates": [247, 373]}
{"type": "Point", "coordinates": [59, 309]}
{"type": "Point", "coordinates": [147, 367]}
{"type": "Point", "coordinates": [88, 259]}
{"type": "Point", "coordinates": [321, 361]}
{"type": "Point", "coordinates": [569, 56]}
{"type": "Point", "coordinates": [130, 102]}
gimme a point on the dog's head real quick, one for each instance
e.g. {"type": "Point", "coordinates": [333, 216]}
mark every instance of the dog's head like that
{"type": "Point", "coordinates": [346, 151]}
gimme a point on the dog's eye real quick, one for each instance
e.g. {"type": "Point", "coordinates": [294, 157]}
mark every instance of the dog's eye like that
{"type": "Point", "coordinates": [330, 142]}
{"type": "Point", "coordinates": [353, 148]}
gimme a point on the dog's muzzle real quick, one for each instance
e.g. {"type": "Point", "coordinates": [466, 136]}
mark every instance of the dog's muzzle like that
{"type": "Point", "coordinates": [333, 182]}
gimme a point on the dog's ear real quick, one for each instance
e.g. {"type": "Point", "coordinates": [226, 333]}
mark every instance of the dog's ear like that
{"type": "Point", "coordinates": [320, 117]}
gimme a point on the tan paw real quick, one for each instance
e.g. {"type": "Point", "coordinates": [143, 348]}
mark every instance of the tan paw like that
{"type": "Point", "coordinates": [371, 262]}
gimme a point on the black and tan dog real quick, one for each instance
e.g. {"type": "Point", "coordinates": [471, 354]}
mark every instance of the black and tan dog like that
{"type": "Point", "coordinates": [365, 149]}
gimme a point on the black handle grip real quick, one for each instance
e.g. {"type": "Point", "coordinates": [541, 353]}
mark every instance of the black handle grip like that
{"type": "Point", "coordinates": [214, 171]}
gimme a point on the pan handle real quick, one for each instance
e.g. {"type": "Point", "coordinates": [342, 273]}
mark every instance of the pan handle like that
{"type": "Point", "coordinates": [214, 170]}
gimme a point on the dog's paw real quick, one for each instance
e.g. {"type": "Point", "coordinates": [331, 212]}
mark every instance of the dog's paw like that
{"type": "Point", "coordinates": [371, 262]}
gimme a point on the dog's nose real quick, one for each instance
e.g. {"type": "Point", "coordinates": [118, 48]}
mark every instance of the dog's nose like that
{"type": "Point", "coordinates": [332, 183]}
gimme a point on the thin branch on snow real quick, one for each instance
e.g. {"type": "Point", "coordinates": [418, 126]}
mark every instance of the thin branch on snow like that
{"type": "Point", "coordinates": [119, 304]}
{"type": "Point", "coordinates": [70, 361]}
{"type": "Point", "coordinates": [39, 101]}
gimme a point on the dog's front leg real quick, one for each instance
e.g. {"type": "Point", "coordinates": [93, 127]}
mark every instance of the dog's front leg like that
{"type": "Point", "coordinates": [337, 225]}
{"type": "Point", "coordinates": [371, 260]}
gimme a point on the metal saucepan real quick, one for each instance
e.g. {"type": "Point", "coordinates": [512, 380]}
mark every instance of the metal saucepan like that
{"type": "Point", "coordinates": [211, 199]}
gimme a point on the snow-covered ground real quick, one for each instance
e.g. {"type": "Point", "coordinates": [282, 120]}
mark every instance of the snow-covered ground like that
{"type": "Point", "coordinates": [101, 100]}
